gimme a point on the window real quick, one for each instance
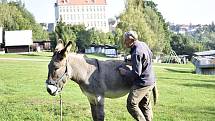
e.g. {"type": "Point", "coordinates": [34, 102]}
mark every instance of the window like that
{"type": "Point", "coordinates": [67, 17]}
{"type": "Point", "coordinates": [67, 9]}
{"type": "Point", "coordinates": [70, 9]}
{"type": "Point", "coordinates": [94, 8]}
{"type": "Point", "coordinates": [104, 23]}
{"type": "Point", "coordinates": [77, 8]}
{"type": "Point", "coordinates": [87, 8]}
{"type": "Point", "coordinates": [101, 23]}
{"type": "Point", "coordinates": [74, 17]}
{"type": "Point", "coordinates": [74, 9]}
{"type": "Point", "coordinates": [82, 9]}
{"type": "Point", "coordinates": [64, 17]}
{"type": "Point", "coordinates": [90, 8]}
{"type": "Point", "coordinates": [95, 17]}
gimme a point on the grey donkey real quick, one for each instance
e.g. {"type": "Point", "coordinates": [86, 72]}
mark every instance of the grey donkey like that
{"type": "Point", "coordinates": [97, 79]}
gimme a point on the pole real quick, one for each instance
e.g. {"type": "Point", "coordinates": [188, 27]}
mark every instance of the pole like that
{"type": "Point", "coordinates": [61, 108]}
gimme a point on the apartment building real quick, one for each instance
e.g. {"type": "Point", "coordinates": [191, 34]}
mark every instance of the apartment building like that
{"type": "Point", "coordinates": [91, 13]}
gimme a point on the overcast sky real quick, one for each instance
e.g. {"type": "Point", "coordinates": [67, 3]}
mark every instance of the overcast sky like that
{"type": "Point", "coordinates": [177, 11]}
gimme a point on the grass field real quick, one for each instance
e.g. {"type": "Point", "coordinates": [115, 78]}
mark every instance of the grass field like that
{"type": "Point", "coordinates": [183, 96]}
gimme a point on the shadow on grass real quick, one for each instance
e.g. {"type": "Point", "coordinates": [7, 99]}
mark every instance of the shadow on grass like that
{"type": "Point", "coordinates": [211, 110]}
{"type": "Point", "coordinates": [208, 86]}
{"type": "Point", "coordinates": [179, 71]}
{"type": "Point", "coordinates": [201, 110]}
{"type": "Point", "coordinates": [29, 55]}
{"type": "Point", "coordinates": [35, 55]}
{"type": "Point", "coordinates": [210, 81]}
{"type": "Point", "coordinates": [182, 78]}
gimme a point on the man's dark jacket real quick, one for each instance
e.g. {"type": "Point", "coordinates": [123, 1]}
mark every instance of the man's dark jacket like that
{"type": "Point", "coordinates": [141, 60]}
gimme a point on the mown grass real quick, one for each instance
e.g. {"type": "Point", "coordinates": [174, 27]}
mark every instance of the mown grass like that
{"type": "Point", "coordinates": [183, 96]}
{"type": "Point", "coordinates": [34, 55]}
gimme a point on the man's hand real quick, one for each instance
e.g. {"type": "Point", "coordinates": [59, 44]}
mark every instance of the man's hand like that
{"type": "Point", "coordinates": [122, 71]}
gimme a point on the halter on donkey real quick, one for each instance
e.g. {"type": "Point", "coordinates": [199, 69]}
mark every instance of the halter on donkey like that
{"type": "Point", "coordinates": [97, 79]}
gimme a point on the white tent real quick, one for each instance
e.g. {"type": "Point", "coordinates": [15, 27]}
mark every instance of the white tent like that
{"type": "Point", "coordinates": [1, 32]}
{"type": "Point", "coordinates": [18, 38]}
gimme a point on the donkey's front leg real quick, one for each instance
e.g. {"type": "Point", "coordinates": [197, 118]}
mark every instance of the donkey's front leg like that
{"type": "Point", "coordinates": [97, 108]}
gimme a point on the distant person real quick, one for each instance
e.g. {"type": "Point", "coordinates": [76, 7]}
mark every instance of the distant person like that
{"type": "Point", "coordinates": [138, 101]}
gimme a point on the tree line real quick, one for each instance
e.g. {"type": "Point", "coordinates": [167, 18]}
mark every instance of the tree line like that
{"type": "Point", "coordinates": [139, 15]}
{"type": "Point", "coordinates": [201, 39]}
{"type": "Point", "coordinates": [80, 37]}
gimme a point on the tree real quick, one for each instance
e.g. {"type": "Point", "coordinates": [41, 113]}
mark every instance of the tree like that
{"type": "Point", "coordinates": [106, 38]}
{"type": "Point", "coordinates": [83, 40]}
{"type": "Point", "coordinates": [94, 36]}
{"type": "Point", "coordinates": [129, 21]}
{"type": "Point", "coordinates": [118, 38]}
{"type": "Point", "coordinates": [14, 16]}
{"type": "Point", "coordinates": [182, 44]}
{"type": "Point", "coordinates": [66, 34]}
{"type": "Point", "coordinates": [143, 17]}
{"type": "Point", "coordinates": [39, 33]}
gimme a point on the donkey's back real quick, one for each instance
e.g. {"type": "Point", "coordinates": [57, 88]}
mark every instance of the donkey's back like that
{"type": "Point", "coordinates": [107, 79]}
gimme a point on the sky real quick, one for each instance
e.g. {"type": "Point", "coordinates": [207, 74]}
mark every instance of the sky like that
{"type": "Point", "coordinates": [43, 10]}
{"type": "Point", "coordinates": [174, 11]}
{"type": "Point", "coordinates": [187, 11]}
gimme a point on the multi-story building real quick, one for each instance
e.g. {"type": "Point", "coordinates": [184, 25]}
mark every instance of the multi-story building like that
{"type": "Point", "coordinates": [91, 13]}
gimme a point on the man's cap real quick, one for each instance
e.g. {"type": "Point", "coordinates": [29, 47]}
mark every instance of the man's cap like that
{"type": "Point", "coordinates": [131, 35]}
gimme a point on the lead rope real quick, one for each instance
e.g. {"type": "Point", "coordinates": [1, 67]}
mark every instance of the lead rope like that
{"type": "Point", "coordinates": [61, 108]}
{"type": "Point", "coordinates": [61, 101]}
{"type": "Point", "coordinates": [53, 110]}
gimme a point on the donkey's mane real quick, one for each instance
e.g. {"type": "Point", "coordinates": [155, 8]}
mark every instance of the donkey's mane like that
{"type": "Point", "coordinates": [81, 66]}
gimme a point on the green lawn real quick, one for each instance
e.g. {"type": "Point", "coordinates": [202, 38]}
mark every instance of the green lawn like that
{"type": "Point", "coordinates": [183, 96]}
{"type": "Point", "coordinates": [34, 55]}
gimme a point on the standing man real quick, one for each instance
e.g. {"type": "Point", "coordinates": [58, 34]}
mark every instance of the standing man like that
{"type": "Point", "coordinates": [138, 101]}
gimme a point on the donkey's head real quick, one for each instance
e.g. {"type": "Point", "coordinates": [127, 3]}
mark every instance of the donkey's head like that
{"type": "Point", "coordinates": [58, 69]}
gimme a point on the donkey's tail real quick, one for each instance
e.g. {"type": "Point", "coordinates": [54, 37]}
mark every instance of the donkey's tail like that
{"type": "Point", "coordinates": [155, 93]}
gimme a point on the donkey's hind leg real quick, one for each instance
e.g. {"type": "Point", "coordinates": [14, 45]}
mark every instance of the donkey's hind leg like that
{"type": "Point", "coordinates": [97, 108]}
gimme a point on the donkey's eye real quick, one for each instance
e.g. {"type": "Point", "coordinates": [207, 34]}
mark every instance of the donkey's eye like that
{"type": "Point", "coordinates": [56, 67]}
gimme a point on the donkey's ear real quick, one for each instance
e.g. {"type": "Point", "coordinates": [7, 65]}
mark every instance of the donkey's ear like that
{"type": "Point", "coordinates": [66, 49]}
{"type": "Point", "coordinates": [59, 45]}
{"type": "Point", "coordinates": [68, 46]}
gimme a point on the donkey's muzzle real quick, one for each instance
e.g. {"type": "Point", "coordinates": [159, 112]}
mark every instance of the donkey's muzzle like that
{"type": "Point", "coordinates": [52, 90]}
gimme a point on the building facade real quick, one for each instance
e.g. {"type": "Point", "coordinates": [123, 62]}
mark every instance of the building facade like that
{"type": "Point", "coordinates": [91, 13]}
